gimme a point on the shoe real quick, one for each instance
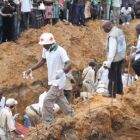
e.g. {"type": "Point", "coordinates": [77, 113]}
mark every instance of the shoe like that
{"type": "Point", "coordinates": [127, 23]}
{"type": "Point", "coordinates": [123, 24]}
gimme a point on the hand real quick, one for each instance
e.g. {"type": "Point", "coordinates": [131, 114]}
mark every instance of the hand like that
{"type": "Point", "coordinates": [16, 116]}
{"type": "Point", "coordinates": [9, 15]}
{"type": "Point", "coordinates": [59, 74]}
{"type": "Point", "coordinates": [27, 74]}
{"type": "Point", "coordinates": [127, 58]}
{"type": "Point", "coordinates": [108, 64]}
{"type": "Point", "coordinates": [22, 136]}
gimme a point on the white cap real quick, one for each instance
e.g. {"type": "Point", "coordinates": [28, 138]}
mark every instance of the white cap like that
{"type": "Point", "coordinates": [11, 102]}
{"type": "Point", "coordinates": [46, 38]}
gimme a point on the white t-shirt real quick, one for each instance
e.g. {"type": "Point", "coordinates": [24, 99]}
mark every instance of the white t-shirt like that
{"type": "Point", "coordinates": [55, 61]}
{"type": "Point", "coordinates": [89, 74]}
{"type": "Point", "coordinates": [17, 2]}
{"type": "Point", "coordinates": [26, 5]}
{"type": "Point", "coordinates": [126, 11]}
{"type": "Point", "coordinates": [2, 103]}
{"type": "Point", "coordinates": [102, 74]}
{"type": "Point", "coordinates": [117, 3]}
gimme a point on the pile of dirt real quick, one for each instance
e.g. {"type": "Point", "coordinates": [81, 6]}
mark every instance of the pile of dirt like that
{"type": "Point", "coordinates": [97, 119]}
{"type": "Point", "coordinates": [83, 44]}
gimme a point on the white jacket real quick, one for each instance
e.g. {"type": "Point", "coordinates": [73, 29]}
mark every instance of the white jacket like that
{"type": "Point", "coordinates": [102, 75]}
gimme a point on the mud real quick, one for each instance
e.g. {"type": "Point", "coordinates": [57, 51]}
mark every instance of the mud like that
{"type": "Point", "coordinates": [83, 44]}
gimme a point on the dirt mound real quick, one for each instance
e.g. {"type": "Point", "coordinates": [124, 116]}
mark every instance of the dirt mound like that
{"type": "Point", "coordinates": [97, 119]}
{"type": "Point", "coordinates": [82, 44]}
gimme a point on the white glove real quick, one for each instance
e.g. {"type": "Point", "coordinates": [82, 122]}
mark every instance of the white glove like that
{"type": "Point", "coordinates": [28, 74]}
{"type": "Point", "coordinates": [16, 116]}
{"type": "Point", "coordinates": [22, 136]}
{"type": "Point", "coordinates": [108, 64]}
{"type": "Point", "coordinates": [59, 74]}
{"type": "Point", "coordinates": [101, 8]}
{"type": "Point", "coordinates": [133, 47]}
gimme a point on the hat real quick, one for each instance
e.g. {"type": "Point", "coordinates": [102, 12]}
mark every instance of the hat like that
{"type": "Point", "coordinates": [11, 102]}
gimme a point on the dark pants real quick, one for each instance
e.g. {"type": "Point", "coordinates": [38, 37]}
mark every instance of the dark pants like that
{"type": "Point", "coordinates": [67, 12]}
{"type": "Point", "coordinates": [94, 11]}
{"type": "Point", "coordinates": [136, 66]}
{"type": "Point", "coordinates": [0, 34]}
{"type": "Point", "coordinates": [16, 27]}
{"type": "Point", "coordinates": [25, 20]}
{"type": "Point", "coordinates": [79, 14]}
{"type": "Point", "coordinates": [7, 29]}
{"type": "Point", "coordinates": [115, 79]}
{"type": "Point", "coordinates": [68, 95]}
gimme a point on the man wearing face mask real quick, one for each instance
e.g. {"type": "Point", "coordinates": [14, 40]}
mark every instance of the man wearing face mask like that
{"type": "Point", "coordinates": [58, 64]}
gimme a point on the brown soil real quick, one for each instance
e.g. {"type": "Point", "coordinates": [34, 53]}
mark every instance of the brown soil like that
{"type": "Point", "coordinates": [83, 44]}
{"type": "Point", "coordinates": [97, 119]}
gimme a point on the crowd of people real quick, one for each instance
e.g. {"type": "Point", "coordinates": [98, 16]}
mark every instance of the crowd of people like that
{"type": "Point", "coordinates": [17, 16]}
{"type": "Point", "coordinates": [108, 80]}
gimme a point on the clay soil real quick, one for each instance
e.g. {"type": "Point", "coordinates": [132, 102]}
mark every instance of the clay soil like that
{"type": "Point", "coordinates": [83, 44]}
{"type": "Point", "coordinates": [98, 118]}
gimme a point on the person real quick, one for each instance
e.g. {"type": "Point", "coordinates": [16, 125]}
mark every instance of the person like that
{"type": "Point", "coordinates": [106, 7]}
{"type": "Point", "coordinates": [95, 9]}
{"type": "Point", "coordinates": [116, 4]}
{"type": "Point", "coordinates": [136, 55]}
{"type": "Point", "coordinates": [102, 74]}
{"type": "Point", "coordinates": [102, 81]}
{"type": "Point", "coordinates": [79, 12]}
{"type": "Point", "coordinates": [7, 18]}
{"type": "Point", "coordinates": [88, 77]}
{"type": "Point", "coordinates": [17, 19]}
{"type": "Point", "coordinates": [26, 8]}
{"type": "Point", "coordinates": [68, 9]}
{"type": "Point", "coordinates": [116, 50]}
{"type": "Point", "coordinates": [126, 14]}
{"type": "Point", "coordinates": [126, 78]}
{"type": "Point", "coordinates": [7, 125]}
{"type": "Point", "coordinates": [26, 120]}
{"type": "Point", "coordinates": [136, 8]}
{"type": "Point", "coordinates": [2, 100]}
{"type": "Point", "coordinates": [33, 112]}
{"type": "Point", "coordinates": [58, 64]}
{"type": "Point", "coordinates": [1, 6]}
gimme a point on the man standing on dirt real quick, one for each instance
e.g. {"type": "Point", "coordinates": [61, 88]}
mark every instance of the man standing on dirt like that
{"type": "Point", "coordinates": [116, 50]}
{"type": "Point", "coordinates": [58, 64]}
{"type": "Point", "coordinates": [136, 59]}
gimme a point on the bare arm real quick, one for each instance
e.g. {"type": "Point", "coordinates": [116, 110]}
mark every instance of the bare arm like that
{"type": "Point", "coordinates": [38, 64]}
{"type": "Point", "coordinates": [67, 67]}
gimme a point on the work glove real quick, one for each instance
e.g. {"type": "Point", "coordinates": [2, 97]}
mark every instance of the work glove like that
{"type": "Point", "coordinates": [21, 136]}
{"type": "Point", "coordinates": [28, 74]}
{"type": "Point", "coordinates": [59, 74]}
{"type": "Point", "coordinates": [108, 64]}
{"type": "Point", "coordinates": [16, 116]}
